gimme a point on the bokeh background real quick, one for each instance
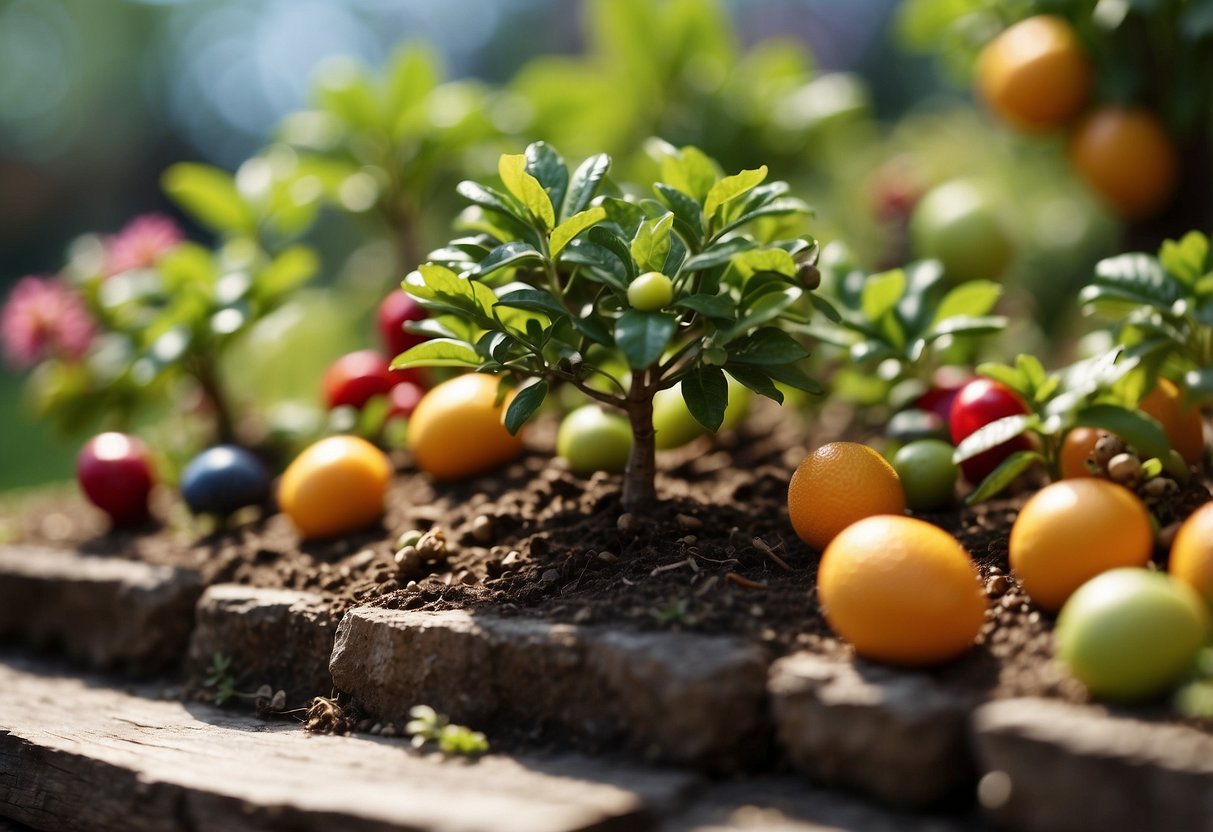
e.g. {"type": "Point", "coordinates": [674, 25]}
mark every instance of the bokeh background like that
{"type": "Point", "coordinates": [98, 97]}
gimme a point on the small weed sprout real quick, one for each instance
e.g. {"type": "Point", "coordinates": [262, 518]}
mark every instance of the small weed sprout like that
{"type": "Point", "coordinates": [429, 726]}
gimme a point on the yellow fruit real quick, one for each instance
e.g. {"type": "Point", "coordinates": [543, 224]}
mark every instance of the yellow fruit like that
{"type": "Point", "coordinates": [1035, 75]}
{"type": "Point", "coordinates": [1183, 425]}
{"type": "Point", "coordinates": [1192, 553]}
{"type": "Point", "coordinates": [1075, 450]}
{"type": "Point", "coordinates": [838, 484]}
{"type": "Point", "coordinates": [1126, 157]}
{"type": "Point", "coordinates": [1073, 530]}
{"type": "Point", "coordinates": [901, 590]}
{"type": "Point", "coordinates": [335, 486]}
{"type": "Point", "coordinates": [456, 431]}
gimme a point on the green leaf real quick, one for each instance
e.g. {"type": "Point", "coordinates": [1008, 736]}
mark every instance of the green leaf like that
{"type": "Point", "coordinates": [507, 255]}
{"type": "Point", "coordinates": [210, 196]}
{"type": "Point", "coordinates": [651, 244]}
{"type": "Point", "coordinates": [526, 189]}
{"type": "Point", "coordinates": [643, 336]}
{"type": "Point", "coordinates": [412, 75]}
{"type": "Point", "coordinates": [686, 210]}
{"type": "Point", "coordinates": [612, 243]}
{"type": "Point", "coordinates": [1032, 370]}
{"type": "Point", "coordinates": [718, 254]}
{"type": "Point", "coordinates": [754, 378]}
{"type": "Point", "coordinates": [711, 306]}
{"type": "Point", "coordinates": [767, 345]}
{"type": "Point", "coordinates": [775, 208]}
{"type": "Point", "coordinates": [1140, 276]}
{"type": "Point", "coordinates": [766, 308]}
{"type": "Point", "coordinates": [973, 299]}
{"type": "Point", "coordinates": [489, 200]}
{"type": "Point", "coordinates": [524, 405]}
{"type": "Point", "coordinates": [438, 352]}
{"type": "Point", "coordinates": [289, 270]}
{"type": "Point", "coordinates": [1136, 428]}
{"type": "Point", "coordinates": [732, 187]}
{"type": "Point", "coordinates": [534, 300]}
{"type": "Point", "coordinates": [584, 184]}
{"type": "Point", "coordinates": [574, 225]}
{"type": "Point", "coordinates": [881, 293]}
{"type": "Point", "coordinates": [992, 435]}
{"type": "Point", "coordinates": [691, 171]}
{"type": "Point", "coordinates": [1003, 374]}
{"type": "Point", "coordinates": [771, 260]}
{"type": "Point", "coordinates": [545, 164]}
{"type": "Point", "coordinates": [962, 325]}
{"type": "Point", "coordinates": [792, 376]}
{"type": "Point", "coordinates": [706, 393]}
{"type": "Point", "coordinates": [1005, 474]}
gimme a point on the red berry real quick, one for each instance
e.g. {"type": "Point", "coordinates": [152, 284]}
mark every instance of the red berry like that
{"type": "Point", "coordinates": [395, 310]}
{"type": "Point", "coordinates": [353, 379]}
{"type": "Point", "coordinates": [945, 384]}
{"type": "Point", "coordinates": [115, 473]}
{"type": "Point", "coordinates": [977, 404]}
{"type": "Point", "coordinates": [404, 398]}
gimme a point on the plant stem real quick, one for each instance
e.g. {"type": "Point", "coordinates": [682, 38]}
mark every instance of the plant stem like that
{"type": "Point", "coordinates": [208, 379]}
{"type": "Point", "coordinates": [640, 476]}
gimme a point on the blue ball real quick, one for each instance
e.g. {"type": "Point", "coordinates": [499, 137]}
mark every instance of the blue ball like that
{"type": "Point", "coordinates": [222, 479]}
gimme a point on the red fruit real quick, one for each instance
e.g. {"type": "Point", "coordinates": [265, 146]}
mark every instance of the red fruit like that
{"type": "Point", "coordinates": [945, 384]}
{"type": "Point", "coordinates": [115, 473]}
{"type": "Point", "coordinates": [977, 404]}
{"type": "Point", "coordinates": [354, 378]}
{"type": "Point", "coordinates": [395, 310]}
{"type": "Point", "coordinates": [404, 398]}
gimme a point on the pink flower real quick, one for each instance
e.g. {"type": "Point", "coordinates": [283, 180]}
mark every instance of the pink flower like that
{"type": "Point", "coordinates": [141, 243]}
{"type": "Point", "coordinates": [44, 318]}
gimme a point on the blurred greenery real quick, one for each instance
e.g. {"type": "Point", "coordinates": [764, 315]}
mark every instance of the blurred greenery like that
{"type": "Point", "coordinates": [352, 121]}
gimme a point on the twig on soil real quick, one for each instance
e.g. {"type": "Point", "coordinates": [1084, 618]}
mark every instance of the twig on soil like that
{"type": "Point", "coordinates": [734, 578]}
{"type": "Point", "coordinates": [762, 546]}
{"type": "Point", "coordinates": [671, 566]}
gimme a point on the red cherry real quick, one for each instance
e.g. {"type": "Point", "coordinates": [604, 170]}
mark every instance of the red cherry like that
{"type": "Point", "coordinates": [354, 378]}
{"type": "Point", "coordinates": [395, 310]}
{"type": "Point", "coordinates": [115, 473]}
{"type": "Point", "coordinates": [977, 404]}
{"type": "Point", "coordinates": [404, 397]}
{"type": "Point", "coordinates": [945, 384]}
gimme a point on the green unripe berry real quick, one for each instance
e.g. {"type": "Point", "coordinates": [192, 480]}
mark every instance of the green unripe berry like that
{"type": "Point", "coordinates": [650, 292]}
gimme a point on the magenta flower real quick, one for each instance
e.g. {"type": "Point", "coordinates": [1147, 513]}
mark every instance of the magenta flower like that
{"type": "Point", "coordinates": [44, 318]}
{"type": "Point", "coordinates": [141, 243]}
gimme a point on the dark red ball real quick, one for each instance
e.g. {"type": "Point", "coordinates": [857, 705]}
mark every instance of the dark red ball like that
{"type": "Point", "coordinates": [115, 472]}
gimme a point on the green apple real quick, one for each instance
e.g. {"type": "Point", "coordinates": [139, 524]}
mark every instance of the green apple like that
{"type": "Point", "coordinates": [650, 292]}
{"type": "Point", "coordinates": [957, 224]}
{"type": "Point", "coordinates": [676, 426]}
{"type": "Point", "coordinates": [593, 440]}
{"type": "Point", "coordinates": [1130, 634]}
{"type": "Point", "coordinates": [928, 474]}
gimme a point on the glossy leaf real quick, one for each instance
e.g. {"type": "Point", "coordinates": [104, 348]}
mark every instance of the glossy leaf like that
{"type": "Point", "coordinates": [706, 393]}
{"type": "Point", "coordinates": [545, 164]}
{"type": "Point", "coordinates": [526, 189]}
{"type": "Point", "coordinates": [438, 352]}
{"type": "Point", "coordinates": [1006, 473]}
{"type": "Point", "coordinates": [523, 407]}
{"type": "Point", "coordinates": [584, 184]}
{"type": "Point", "coordinates": [732, 187]}
{"type": "Point", "coordinates": [992, 435]}
{"type": "Point", "coordinates": [210, 196]}
{"type": "Point", "coordinates": [767, 345]}
{"type": "Point", "coordinates": [574, 225]}
{"type": "Point", "coordinates": [643, 336]}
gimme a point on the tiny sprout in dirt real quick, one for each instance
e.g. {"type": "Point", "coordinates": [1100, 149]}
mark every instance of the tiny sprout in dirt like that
{"type": "Point", "coordinates": [561, 278]}
{"type": "Point", "coordinates": [428, 726]}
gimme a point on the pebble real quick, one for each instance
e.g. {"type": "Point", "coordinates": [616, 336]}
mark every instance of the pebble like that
{"type": "Point", "coordinates": [482, 529]}
{"type": "Point", "coordinates": [690, 540]}
{"type": "Point", "coordinates": [626, 523]}
{"type": "Point", "coordinates": [997, 585]}
{"type": "Point", "coordinates": [377, 729]}
{"type": "Point", "coordinates": [550, 575]}
{"type": "Point", "coordinates": [690, 523]}
{"type": "Point", "coordinates": [608, 557]}
{"type": "Point", "coordinates": [389, 730]}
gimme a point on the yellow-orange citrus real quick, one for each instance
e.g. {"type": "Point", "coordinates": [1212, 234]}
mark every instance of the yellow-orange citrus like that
{"type": "Point", "coordinates": [1073, 530]}
{"type": "Point", "coordinates": [1126, 157]}
{"type": "Point", "coordinates": [1075, 450]}
{"type": "Point", "coordinates": [1035, 75]}
{"type": "Point", "coordinates": [1183, 425]}
{"type": "Point", "coordinates": [838, 484]}
{"type": "Point", "coordinates": [1192, 553]}
{"type": "Point", "coordinates": [335, 486]}
{"type": "Point", "coordinates": [901, 590]}
{"type": "Point", "coordinates": [456, 430]}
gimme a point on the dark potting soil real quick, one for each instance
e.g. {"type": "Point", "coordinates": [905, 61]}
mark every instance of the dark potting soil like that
{"type": "Point", "coordinates": [717, 555]}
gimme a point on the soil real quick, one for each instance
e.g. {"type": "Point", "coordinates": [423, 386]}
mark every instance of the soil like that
{"type": "Point", "coordinates": [718, 555]}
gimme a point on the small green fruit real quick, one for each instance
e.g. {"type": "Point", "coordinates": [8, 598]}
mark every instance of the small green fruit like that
{"type": "Point", "coordinates": [676, 426]}
{"type": "Point", "coordinates": [1130, 634]}
{"type": "Point", "coordinates": [591, 439]}
{"type": "Point", "coordinates": [957, 224]}
{"type": "Point", "coordinates": [928, 474]}
{"type": "Point", "coordinates": [650, 292]}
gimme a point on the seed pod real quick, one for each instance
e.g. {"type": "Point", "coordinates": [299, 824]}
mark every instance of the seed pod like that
{"type": "Point", "coordinates": [1124, 468]}
{"type": "Point", "coordinates": [808, 275]}
{"type": "Point", "coordinates": [408, 538]}
{"type": "Point", "coordinates": [1106, 447]}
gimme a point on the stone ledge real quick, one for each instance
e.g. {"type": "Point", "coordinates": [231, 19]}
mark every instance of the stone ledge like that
{"type": "Point", "coordinates": [106, 613]}
{"type": "Point", "coordinates": [75, 754]}
{"type": "Point", "coordinates": [674, 697]}
{"type": "Point", "coordinates": [893, 734]}
{"type": "Point", "coordinates": [1058, 766]}
{"type": "Point", "coordinates": [276, 637]}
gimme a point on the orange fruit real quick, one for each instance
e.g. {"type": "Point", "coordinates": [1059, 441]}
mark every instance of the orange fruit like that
{"type": "Point", "coordinates": [335, 486]}
{"type": "Point", "coordinates": [838, 484]}
{"type": "Point", "coordinates": [1035, 75]}
{"type": "Point", "coordinates": [1126, 157]}
{"type": "Point", "coordinates": [901, 590]}
{"type": "Point", "coordinates": [1075, 450]}
{"type": "Point", "coordinates": [457, 431]}
{"type": "Point", "coordinates": [1183, 425]}
{"type": "Point", "coordinates": [1192, 553]}
{"type": "Point", "coordinates": [1073, 530]}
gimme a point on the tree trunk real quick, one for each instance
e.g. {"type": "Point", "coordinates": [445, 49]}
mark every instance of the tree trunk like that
{"type": "Point", "coordinates": [640, 477]}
